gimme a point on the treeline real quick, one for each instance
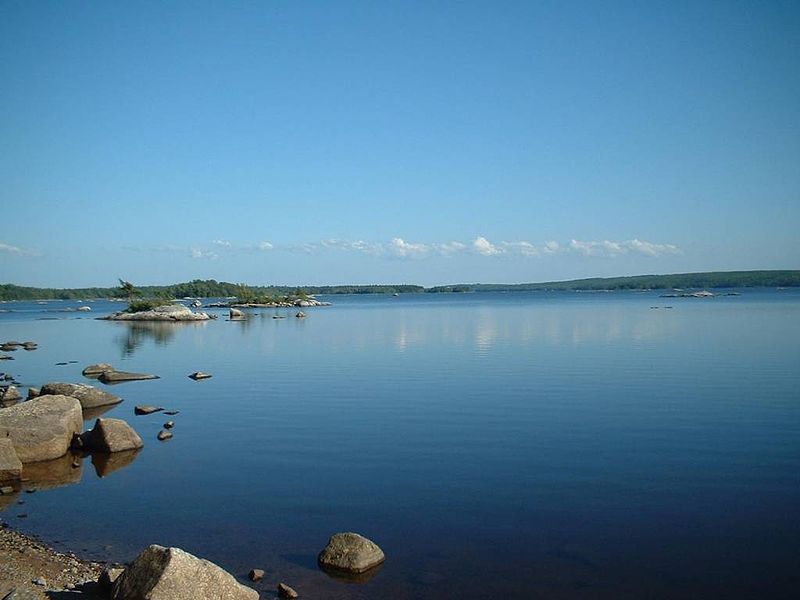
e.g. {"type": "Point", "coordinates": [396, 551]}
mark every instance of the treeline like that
{"type": "Point", "coordinates": [199, 288]}
{"type": "Point", "coordinates": [716, 279]}
{"type": "Point", "coordinates": [209, 288]}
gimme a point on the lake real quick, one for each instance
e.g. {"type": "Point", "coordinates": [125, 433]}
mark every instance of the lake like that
{"type": "Point", "coordinates": [517, 445]}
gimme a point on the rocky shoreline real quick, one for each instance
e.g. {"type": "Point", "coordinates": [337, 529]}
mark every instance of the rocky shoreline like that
{"type": "Point", "coordinates": [30, 569]}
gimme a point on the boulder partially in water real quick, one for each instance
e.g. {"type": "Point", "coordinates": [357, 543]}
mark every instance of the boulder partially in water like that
{"type": "Point", "coordinates": [97, 369]}
{"type": "Point", "coordinates": [160, 573]}
{"type": "Point", "coordinates": [110, 435]}
{"type": "Point", "coordinates": [351, 553]}
{"type": "Point", "coordinates": [10, 464]}
{"type": "Point", "coordinates": [9, 395]}
{"type": "Point", "coordinates": [42, 428]}
{"type": "Point", "coordinates": [88, 396]}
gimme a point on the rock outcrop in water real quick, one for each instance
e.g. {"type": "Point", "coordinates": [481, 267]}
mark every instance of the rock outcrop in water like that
{"type": "Point", "coordinates": [42, 428]}
{"type": "Point", "coordinates": [110, 435]}
{"type": "Point", "coordinates": [121, 376]}
{"type": "Point", "coordinates": [88, 396]}
{"type": "Point", "coordinates": [160, 573]}
{"type": "Point", "coordinates": [97, 369]}
{"type": "Point", "coordinates": [351, 553]}
{"type": "Point", "coordinates": [171, 312]}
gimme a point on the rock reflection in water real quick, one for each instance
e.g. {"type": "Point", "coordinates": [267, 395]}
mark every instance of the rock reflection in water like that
{"type": "Point", "coordinates": [106, 464]}
{"type": "Point", "coordinates": [345, 577]}
{"type": "Point", "coordinates": [50, 474]}
{"type": "Point", "coordinates": [161, 332]}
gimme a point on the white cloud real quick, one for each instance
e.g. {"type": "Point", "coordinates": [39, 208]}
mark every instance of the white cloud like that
{"type": "Point", "coordinates": [608, 248]}
{"type": "Point", "coordinates": [9, 249]}
{"type": "Point", "coordinates": [485, 247]}
{"type": "Point", "coordinates": [222, 243]}
{"type": "Point", "coordinates": [552, 247]}
{"type": "Point", "coordinates": [198, 253]}
{"type": "Point", "coordinates": [400, 248]}
{"type": "Point", "coordinates": [448, 248]}
{"type": "Point", "coordinates": [265, 245]}
{"type": "Point", "coordinates": [522, 248]}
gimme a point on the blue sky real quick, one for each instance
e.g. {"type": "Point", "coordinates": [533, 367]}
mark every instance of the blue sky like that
{"type": "Point", "coordinates": [420, 142]}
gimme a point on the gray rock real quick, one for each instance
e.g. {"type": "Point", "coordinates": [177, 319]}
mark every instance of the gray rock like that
{"type": "Point", "coordinates": [120, 376]}
{"type": "Point", "coordinates": [9, 394]}
{"type": "Point", "coordinates": [169, 424]}
{"type": "Point", "coordinates": [34, 392]}
{"type": "Point", "coordinates": [10, 465]}
{"type": "Point", "coordinates": [284, 591]}
{"type": "Point", "coordinates": [300, 315]}
{"type": "Point", "coordinates": [6, 357]}
{"type": "Point", "coordinates": [200, 375]}
{"type": "Point", "coordinates": [84, 308]}
{"type": "Point", "coordinates": [111, 435]}
{"type": "Point", "coordinates": [22, 594]}
{"type": "Point", "coordinates": [144, 409]}
{"type": "Point", "coordinates": [6, 489]}
{"type": "Point", "coordinates": [164, 435]}
{"type": "Point", "coordinates": [88, 396]}
{"type": "Point", "coordinates": [97, 369]}
{"type": "Point", "coordinates": [351, 553]}
{"type": "Point", "coordinates": [256, 574]}
{"type": "Point", "coordinates": [160, 573]}
{"type": "Point", "coordinates": [235, 313]}
{"type": "Point", "coordinates": [42, 428]}
{"type": "Point", "coordinates": [172, 312]}
{"type": "Point", "coordinates": [108, 577]}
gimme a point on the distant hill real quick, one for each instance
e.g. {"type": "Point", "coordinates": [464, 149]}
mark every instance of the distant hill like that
{"type": "Point", "coordinates": [716, 279]}
{"type": "Point", "coordinates": [210, 288]}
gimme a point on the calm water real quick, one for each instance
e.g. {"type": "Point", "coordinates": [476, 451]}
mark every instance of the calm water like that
{"type": "Point", "coordinates": [526, 445]}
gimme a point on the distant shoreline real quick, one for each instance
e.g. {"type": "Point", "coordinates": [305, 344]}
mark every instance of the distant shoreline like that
{"type": "Point", "coordinates": [214, 289]}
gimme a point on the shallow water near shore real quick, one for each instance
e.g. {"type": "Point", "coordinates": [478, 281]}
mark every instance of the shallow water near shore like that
{"type": "Point", "coordinates": [521, 445]}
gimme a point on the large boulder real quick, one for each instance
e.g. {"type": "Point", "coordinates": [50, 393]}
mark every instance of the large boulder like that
{"type": "Point", "coordinates": [10, 465]}
{"type": "Point", "coordinates": [171, 312]}
{"type": "Point", "coordinates": [160, 573]}
{"type": "Point", "coordinates": [351, 553]}
{"type": "Point", "coordinates": [110, 435]}
{"type": "Point", "coordinates": [42, 428]}
{"type": "Point", "coordinates": [88, 396]}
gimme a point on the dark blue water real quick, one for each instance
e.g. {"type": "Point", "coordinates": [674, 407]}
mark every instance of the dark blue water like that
{"type": "Point", "coordinates": [523, 445]}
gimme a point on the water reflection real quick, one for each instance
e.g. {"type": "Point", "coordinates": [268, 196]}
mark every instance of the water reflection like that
{"type": "Point", "coordinates": [488, 328]}
{"type": "Point", "coordinates": [64, 471]}
{"type": "Point", "coordinates": [106, 464]}
{"type": "Point", "coordinates": [138, 332]}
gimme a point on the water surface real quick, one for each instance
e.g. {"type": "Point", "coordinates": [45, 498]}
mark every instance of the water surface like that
{"type": "Point", "coordinates": [521, 445]}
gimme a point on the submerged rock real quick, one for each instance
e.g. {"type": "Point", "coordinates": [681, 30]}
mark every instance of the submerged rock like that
{"type": "Point", "coordinates": [88, 396]}
{"type": "Point", "coordinates": [144, 409]}
{"type": "Point", "coordinates": [120, 376]}
{"type": "Point", "coordinates": [111, 435]}
{"type": "Point", "coordinates": [160, 573]}
{"type": "Point", "coordinates": [351, 553]}
{"type": "Point", "coordinates": [164, 435]}
{"type": "Point", "coordinates": [256, 574]}
{"type": "Point", "coordinates": [42, 428]}
{"type": "Point", "coordinates": [284, 591]}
